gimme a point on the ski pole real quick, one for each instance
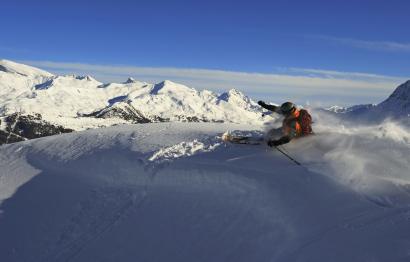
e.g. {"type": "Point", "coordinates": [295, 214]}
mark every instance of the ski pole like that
{"type": "Point", "coordinates": [288, 156]}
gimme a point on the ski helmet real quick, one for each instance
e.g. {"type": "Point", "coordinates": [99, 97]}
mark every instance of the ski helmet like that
{"type": "Point", "coordinates": [287, 107]}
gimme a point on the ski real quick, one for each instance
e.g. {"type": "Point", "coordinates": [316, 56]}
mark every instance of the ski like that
{"type": "Point", "coordinates": [246, 140]}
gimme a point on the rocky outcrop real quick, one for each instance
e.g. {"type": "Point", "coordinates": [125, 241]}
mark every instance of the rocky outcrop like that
{"type": "Point", "coordinates": [21, 127]}
{"type": "Point", "coordinates": [8, 137]}
{"type": "Point", "coordinates": [126, 112]}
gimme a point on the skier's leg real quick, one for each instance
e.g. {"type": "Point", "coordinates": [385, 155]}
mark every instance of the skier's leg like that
{"type": "Point", "coordinates": [274, 134]}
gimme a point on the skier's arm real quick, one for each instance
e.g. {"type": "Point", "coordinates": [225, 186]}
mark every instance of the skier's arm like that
{"type": "Point", "coordinates": [273, 108]}
{"type": "Point", "coordinates": [280, 141]}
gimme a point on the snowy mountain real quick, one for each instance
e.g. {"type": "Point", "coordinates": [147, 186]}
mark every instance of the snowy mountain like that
{"type": "Point", "coordinates": [73, 102]}
{"type": "Point", "coordinates": [175, 192]}
{"type": "Point", "coordinates": [7, 66]}
{"type": "Point", "coordinates": [396, 106]}
{"type": "Point", "coordinates": [398, 103]}
{"type": "Point", "coordinates": [352, 109]}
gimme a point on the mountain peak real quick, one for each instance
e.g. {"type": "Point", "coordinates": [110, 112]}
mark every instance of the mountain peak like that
{"type": "Point", "coordinates": [236, 92]}
{"type": "Point", "coordinates": [402, 93]}
{"type": "Point", "coordinates": [168, 82]}
{"type": "Point", "coordinates": [232, 94]}
{"type": "Point", "coordinates": [170, 87]}
{"type": "Point", "coordinates": [398, 103]}
{"type": "Point", "coordinates": [130, 80]}
{"type": "Point", "coordinates": [85, 77]}
{"type": "Point", "coordinates": [8, 66]}
{"type": "Point", "coordinates": [403, 89]}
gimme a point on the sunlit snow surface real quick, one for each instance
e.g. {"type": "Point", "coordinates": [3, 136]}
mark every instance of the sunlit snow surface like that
{"type": "Point", "coordinates": [175, 192]}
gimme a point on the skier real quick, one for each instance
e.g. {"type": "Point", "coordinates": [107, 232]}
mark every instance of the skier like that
{"type": "Point", "coordinates": [297, 123]}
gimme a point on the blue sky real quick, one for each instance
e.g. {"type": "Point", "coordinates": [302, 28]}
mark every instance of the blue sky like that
{"type": "Point", "coordinates": [272, 39]}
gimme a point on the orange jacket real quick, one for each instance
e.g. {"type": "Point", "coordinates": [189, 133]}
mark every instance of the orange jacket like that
{"type": "Point", "coordinates": [291, 126]}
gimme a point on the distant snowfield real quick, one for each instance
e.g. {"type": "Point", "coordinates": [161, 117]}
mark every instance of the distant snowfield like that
{"type": "Point", "coordinates": [175, 192]}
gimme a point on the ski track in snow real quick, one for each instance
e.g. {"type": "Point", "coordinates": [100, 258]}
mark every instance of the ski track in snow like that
{"type": "Point", "coordinates": [98, 214]}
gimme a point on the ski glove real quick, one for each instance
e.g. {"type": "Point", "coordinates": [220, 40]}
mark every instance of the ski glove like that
{"type": "Point", "coordinates": [281, 141]}
{"type": "Point", "coordinates": [261, 103]}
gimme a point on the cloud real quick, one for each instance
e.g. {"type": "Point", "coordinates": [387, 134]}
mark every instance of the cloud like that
{"type": "Point", "coordinates": [345, 75]}
{"type": "Point", "coordinates": [365, 44]}
{"type": "Point", "coordinates": [295, 84]}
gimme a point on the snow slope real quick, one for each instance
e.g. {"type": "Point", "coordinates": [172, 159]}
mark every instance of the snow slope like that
{"type": "Point", "coordinates": [71, 101]}
{"type": "Point", "coordinates": [174, 192]}
{"type": "Point", "coordinates": [16, 82]}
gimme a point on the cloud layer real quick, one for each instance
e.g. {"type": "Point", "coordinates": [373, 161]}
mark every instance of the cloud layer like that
{"type": "Point", "coordinates": [301, 85]}
{"type": "Point", "coordinates": [365, 44]}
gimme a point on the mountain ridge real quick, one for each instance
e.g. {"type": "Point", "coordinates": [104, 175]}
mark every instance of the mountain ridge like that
{"type": "Point", "coordinates": [72, 102]}
{"type": "Point", "coordinates": [396, 107]}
